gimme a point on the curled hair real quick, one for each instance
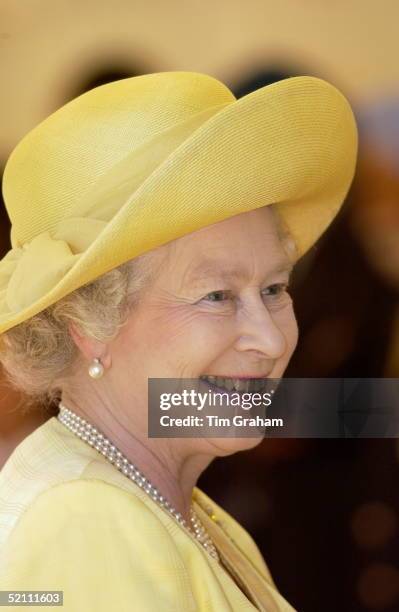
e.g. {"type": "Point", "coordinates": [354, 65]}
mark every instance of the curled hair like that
{"type": "Point", "coordinates": [39, 355]}
{"type": "Point", "coordinates": [285, 235]}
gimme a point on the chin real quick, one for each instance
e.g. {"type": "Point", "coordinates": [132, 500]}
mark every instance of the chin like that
{"type": "Point", "coordinates": [229, 446]}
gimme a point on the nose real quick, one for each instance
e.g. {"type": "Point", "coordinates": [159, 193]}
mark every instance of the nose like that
{"type": "Point", "coordinates": [258, 331]}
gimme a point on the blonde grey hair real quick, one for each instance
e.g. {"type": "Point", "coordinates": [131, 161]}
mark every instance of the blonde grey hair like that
{"type": "Point", "coordinates": [39, 355]}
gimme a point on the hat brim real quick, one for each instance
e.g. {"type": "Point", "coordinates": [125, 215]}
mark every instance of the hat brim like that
{"type": "Point", "coordinates": [292, 144]}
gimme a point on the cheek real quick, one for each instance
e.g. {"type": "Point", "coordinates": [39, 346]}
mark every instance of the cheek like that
{"type": "Point", "coordinates": [179, 329]}
{"type": "Point", "coordinates": [200, 333]}
{"type": "Point", "coordinates": [186, 341]}
{"type": "Point", "coordinates": [212, 336]}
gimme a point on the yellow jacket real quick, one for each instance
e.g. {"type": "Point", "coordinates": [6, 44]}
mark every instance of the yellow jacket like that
{"type": "Point", "coordinates": [71, 522]}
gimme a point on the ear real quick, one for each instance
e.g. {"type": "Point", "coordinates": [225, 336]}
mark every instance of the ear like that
{"type": "Point", "coordinates": [89, 347]}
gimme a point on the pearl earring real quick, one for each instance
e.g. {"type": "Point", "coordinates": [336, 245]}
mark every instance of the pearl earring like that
{"type": "Point", "coordinates": [96, 368]}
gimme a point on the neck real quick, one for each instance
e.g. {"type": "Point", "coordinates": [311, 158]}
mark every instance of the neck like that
{"type": "Point", "coordinates": [166, 463]}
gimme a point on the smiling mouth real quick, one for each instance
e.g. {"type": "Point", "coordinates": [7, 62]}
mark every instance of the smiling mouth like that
{"type": "Point", "coordinates": [240, 385]}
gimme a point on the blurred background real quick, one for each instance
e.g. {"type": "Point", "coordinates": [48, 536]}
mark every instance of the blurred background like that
{"type": "Point", "coordinates": [325, 512]}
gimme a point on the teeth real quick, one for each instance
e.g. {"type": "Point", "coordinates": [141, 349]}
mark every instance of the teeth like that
{"type": "Point", "coordinates": [241, 385]}
{"type": "Point", "coordinates": [258, 384]}
{"type": "Point", "coordinates": [219, 382]}
{"type": "Point", "coordinates": [229, 384]}
{"type": "Point", "coordinates": [237, 384]}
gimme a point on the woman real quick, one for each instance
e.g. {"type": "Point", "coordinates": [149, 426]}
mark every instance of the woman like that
{"type": "Point", "coordinates": [154, 221]}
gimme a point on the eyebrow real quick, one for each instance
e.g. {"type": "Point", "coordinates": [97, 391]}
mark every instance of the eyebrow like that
{"type": "Point", "coordinates": [211, 269]}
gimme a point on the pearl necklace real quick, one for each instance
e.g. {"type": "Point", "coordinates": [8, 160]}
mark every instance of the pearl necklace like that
{"type": "Point", "coordinates": [88, 433]}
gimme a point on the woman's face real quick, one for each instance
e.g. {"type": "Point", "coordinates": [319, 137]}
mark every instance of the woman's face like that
{"type": "Point", "coordinates": [218, 306]}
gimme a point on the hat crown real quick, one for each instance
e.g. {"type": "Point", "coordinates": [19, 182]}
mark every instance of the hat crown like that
{"type": "Point", "coordinates": [67, 154]}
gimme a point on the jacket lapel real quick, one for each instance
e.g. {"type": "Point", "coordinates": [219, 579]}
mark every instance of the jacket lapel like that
{"type": "Point", "coordinates": [257, 588]}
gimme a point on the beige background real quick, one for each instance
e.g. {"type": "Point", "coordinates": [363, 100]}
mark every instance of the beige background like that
{"type": "Point", "coordinates": [49, 46]}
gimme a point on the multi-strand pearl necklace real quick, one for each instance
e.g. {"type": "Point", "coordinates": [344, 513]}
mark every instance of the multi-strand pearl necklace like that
{"type": "Point", "coordinates": [88, 433]}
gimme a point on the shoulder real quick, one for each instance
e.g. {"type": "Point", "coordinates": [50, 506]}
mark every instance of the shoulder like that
{"type": "Point", "coordinates": [47, 457]}
{"type": "Point", "coordinates": [87, 506]}
{"type": "Point", "coordinates": [100, 543]}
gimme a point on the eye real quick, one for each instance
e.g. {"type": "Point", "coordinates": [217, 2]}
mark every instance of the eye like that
{"type": "Point", "coordinates": [217, 296]}
{"type": "Point", "coordinates": [276, 291]}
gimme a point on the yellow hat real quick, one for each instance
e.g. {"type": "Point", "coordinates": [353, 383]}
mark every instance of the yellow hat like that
{"type": "Point", "coordinates": [136, 163]}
